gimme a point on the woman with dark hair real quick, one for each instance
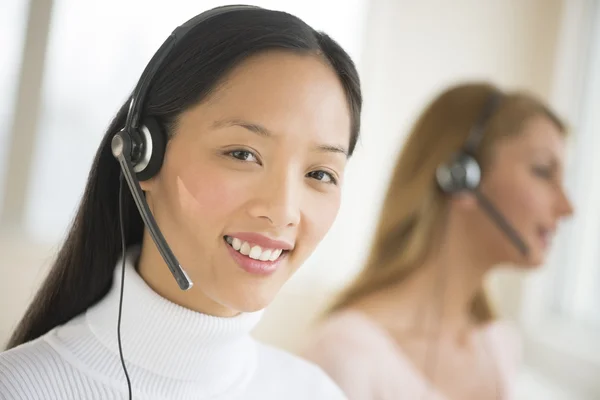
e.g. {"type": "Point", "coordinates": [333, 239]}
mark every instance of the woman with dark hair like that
{"type": "Point", "coordinates": [259, 114]}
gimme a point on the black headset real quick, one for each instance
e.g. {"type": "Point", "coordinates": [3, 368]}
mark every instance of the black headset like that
{"type": "Point", "coordinates": [140, 145]}
{"type": "Point", "coordinates": [463, 172]}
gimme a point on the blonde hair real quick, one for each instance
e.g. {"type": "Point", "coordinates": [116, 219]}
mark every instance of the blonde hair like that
{"type": "Point", "coordinates": [414, 206]}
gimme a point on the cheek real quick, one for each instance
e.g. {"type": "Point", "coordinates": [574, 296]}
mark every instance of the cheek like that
{"type": "Point", "coordinates": [320, 211]}
{"type": "Point", "coordinates": [522, 198]}
{"type": "Point", "coordinates": [204, 196]}
{"type": "Point", "coordinates": [530, 199]}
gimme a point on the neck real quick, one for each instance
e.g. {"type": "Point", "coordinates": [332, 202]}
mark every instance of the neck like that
{"type": "Point", "coordinates": [165, 339]}
{"type": "Point", "coordinates": [155, 272]}
{"type": "Point", "coordinates": [436, 298]}
{"type": "Point", "coordinates": [444, 289]}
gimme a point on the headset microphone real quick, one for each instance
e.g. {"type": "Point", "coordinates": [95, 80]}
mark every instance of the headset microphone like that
{"type": "Point", "coordinates": [121, 146]}
{"type": "Point", "coordinates": [502, 223]}
{"type": "Point", "coordinates": [463, 173]}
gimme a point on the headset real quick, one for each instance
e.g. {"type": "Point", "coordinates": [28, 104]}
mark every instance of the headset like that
{"type": "Point", "coordinates": [140, 145]}
{"type": "Point", "coordinates": [140, 148]}
{"type": "Point", "coordinates": [463, 173]}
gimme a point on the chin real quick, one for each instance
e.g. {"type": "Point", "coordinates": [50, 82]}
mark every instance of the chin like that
{"type": "Point", "coordinates": [247, 295]}
{"type": "Point", "coordinates": [251, 291]}
{"type": "Point", "coordinates": [249, 302]}
{"type": "Point", "coordinates": [532, 262]}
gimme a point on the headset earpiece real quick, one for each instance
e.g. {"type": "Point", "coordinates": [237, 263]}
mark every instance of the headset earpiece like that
{"type": "Point", "coordinates": [463, 173]}
{"type": "Point", "coordinates": [152, 149]}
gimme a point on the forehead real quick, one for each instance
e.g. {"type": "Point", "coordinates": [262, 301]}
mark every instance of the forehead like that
{"type": "Point", "coordinates": [288, 93]}
{"type": "Point", "coordinates": [539, 136]}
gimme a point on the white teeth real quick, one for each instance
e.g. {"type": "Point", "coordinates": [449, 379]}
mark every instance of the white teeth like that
{"type": "Point", "coordinates": [253, 251]}
{"type": "Point", "coordinates": [265, 255]}
{"type": "Point", "coordinates": [245, 249]}
{"type": "Point", "coordinates": [275, 255]}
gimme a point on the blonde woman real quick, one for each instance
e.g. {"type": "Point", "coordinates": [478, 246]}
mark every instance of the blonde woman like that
{"type": "Point", "coordinates": [416, 322]}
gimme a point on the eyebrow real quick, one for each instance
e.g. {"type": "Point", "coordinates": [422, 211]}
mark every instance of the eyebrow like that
{"type": "Point", "coordinates": [252, 127]}
{"type": "Point", "coordinates": [543, 150]}
{"type": "Point", "coordinates": [550, 156]}
{"type": "Point", "coordinates": [264, 132]}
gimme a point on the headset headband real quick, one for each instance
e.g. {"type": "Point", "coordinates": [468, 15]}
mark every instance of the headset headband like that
{"type": "Point", "coordinates": [141, 89]}
{"type": "Point", "coordinates": [476, 134]}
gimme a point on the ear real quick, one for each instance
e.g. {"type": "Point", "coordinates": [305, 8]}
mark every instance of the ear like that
{"type": "Point", "coordinates": [465, 200]}
{"type": "Point", "coordinates": [148, 184]}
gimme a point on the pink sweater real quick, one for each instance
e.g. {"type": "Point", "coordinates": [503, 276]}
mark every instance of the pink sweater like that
{"type": "Point", "coordinates": [366, 363]}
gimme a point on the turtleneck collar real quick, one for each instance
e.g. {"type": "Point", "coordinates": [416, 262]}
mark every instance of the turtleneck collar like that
{"type": "Point", "coordinates": [171, 341]}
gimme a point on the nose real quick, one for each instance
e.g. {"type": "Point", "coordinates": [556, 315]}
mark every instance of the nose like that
{"type": "Point", "coordinates": [565, 207]}
{"type": "Point", "coordinates": [278, 200]}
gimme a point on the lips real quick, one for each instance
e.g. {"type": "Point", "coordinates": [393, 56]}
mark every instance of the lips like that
{"type": "Point", "coordinates": [262, 240]}
{"type": "Point", "coordinates": [255, 253]}
{"type": "Point", "coordinates": [546, 236]}
{"type": "Point", "coordinates": [252, 250]}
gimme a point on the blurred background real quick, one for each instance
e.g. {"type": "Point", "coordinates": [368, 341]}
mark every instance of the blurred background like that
{"type": "Point", "coordinates": [68, 64]}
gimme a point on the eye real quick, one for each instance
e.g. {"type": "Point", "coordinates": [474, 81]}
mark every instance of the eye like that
{"type": "Point", "coordinates": [322, 176]}
{"type": "Point", "coordinates": [543, 172]}
{"type": "Point", "coordinates": [243, 155]}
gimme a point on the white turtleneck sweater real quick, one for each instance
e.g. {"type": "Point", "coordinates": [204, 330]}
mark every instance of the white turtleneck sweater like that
{"type": "Point", "coordinates": [171, 353]}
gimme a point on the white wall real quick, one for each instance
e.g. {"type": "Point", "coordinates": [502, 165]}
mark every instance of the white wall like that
{"type": "Point", "coordinates": [22, 267]}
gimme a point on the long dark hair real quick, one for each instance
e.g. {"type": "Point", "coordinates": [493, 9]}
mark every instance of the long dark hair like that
{"type": "Point", "coordinates": [83, 271]}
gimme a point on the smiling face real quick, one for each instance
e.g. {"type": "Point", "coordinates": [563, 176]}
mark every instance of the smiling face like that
{"type": "Point", "coordinates": [525, 181]}
{"type": "Point", "coordinates": [251, 182]}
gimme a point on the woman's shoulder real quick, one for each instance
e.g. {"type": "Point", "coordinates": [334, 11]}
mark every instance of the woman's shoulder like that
{"type": "Point", "coordinates": [505, 335]}
{"type": "Point", "coordinates": [293, 376]}
{"type": "Point", "coordinates": [348, 333]}
{"type": "Point", "coordinates": [505, 340]}
{"type": "Point", "coordinates": [350, 348]}
{"type": "Point", "coordinates": [28, 356]}
{"type": "Point", "coordinates": [30, 369]}
{"type": "Point", "coordinates": [347, 342]}
{"type": "Point", "coordinates": [46, 368]}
